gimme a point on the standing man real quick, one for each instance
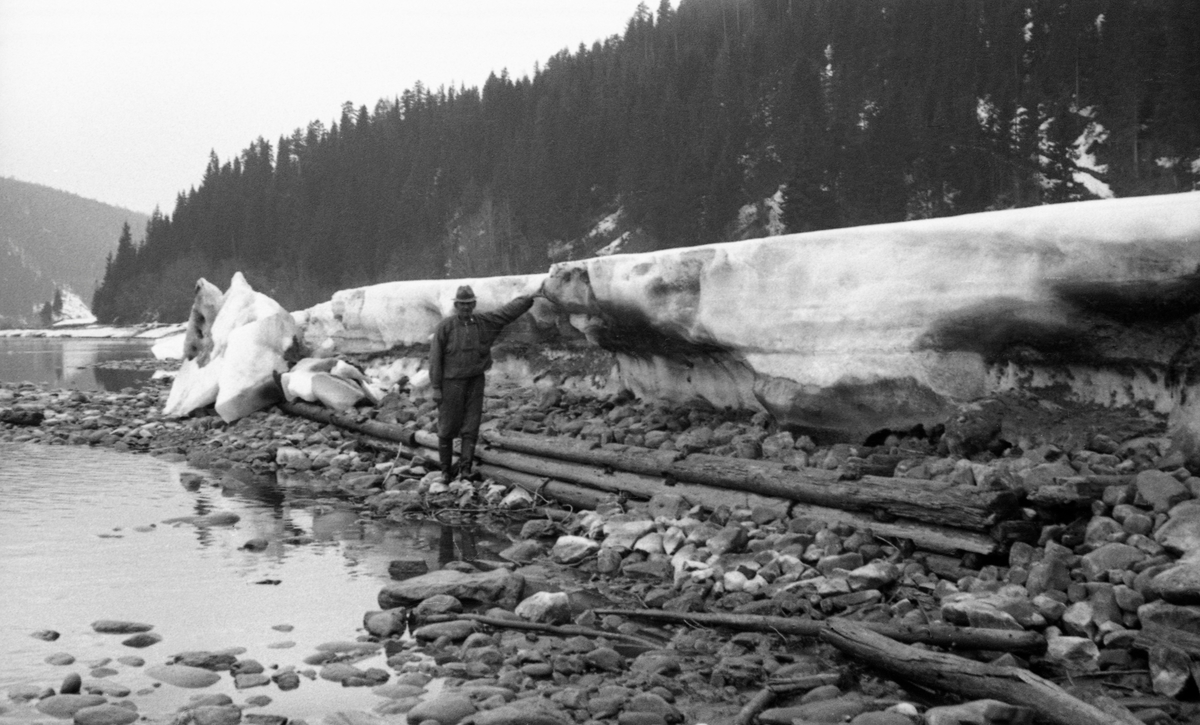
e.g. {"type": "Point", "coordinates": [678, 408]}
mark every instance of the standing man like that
{"type": "Point", "coordinates": [459, 355]}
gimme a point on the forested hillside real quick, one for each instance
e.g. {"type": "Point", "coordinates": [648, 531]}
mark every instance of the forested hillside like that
{"type": "Point", "coordinates": [51, 241]}
{"type": "Point", "coordinates": [712, 121]}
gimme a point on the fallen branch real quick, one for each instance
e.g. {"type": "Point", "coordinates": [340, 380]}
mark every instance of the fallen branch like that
{"type": "Point", "coordinates": [564, 630]}
{"type": "Point", "coordinates": [950, 673]}
{"type": "Point", "coordinates": [757, 704]}
{"type": "Point", "coordinates": [945, 636]}
{"type": "Point", "coordinates": [802, 683]}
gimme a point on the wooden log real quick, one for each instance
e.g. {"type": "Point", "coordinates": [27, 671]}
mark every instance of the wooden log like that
{"type": "Point", "coordinates": [928, 537]}
{"type": "Point", "coordinates": [633, 459]}
{"type": "Point", "coordinates": [1079, 491]}
{"type": "Point", "coordinates": [530, 471]}
{"type": "Point", "coordinates": [963, 507]}
{"type": "Point", "coordinates": [932, 502]}
{"type": "Point", "coordinates": [946, 636]}
{"type": "Point", "coordinates": [1153, 634]}
{"type": "Point", "coordinates": [945, 672]}
{"type": "Point", "coordinates": [580, 498]}
{"type": "Point", "coordinates": [386, 431]}
{"type": "Point", "coordinates": [633, 485]}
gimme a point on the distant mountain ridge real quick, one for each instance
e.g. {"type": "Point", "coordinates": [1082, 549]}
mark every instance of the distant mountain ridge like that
{"type": "Point", "coordinates": [53, 239]}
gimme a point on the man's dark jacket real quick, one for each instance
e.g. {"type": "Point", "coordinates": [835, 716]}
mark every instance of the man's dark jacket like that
{"type": "Point", "coordinates": [463, 349]}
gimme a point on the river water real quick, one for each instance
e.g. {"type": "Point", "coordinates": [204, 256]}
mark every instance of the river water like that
{"type": "Point", "coordinates": [80, 363]}
{"type": "Point", "coordinates": [83, 537]}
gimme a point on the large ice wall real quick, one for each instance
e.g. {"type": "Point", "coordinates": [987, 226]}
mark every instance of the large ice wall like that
{"type": "Point", "coordinates": [854, 329]}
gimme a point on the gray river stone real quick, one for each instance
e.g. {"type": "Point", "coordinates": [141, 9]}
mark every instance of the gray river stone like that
{"type": "Point", "coordinates": [497, 586]}
{"type": "Point", "coordinates": [340, 672]}
{"type": "Point", "coordinates": [530, 711]}
{"type": "Point", "coordinates": [65, 706]}
{"type": "Point", "coordinates": [106, 688]}
{"type": "Point", "coordinates": [350, 647]}
{"type": "Point", "coordinates": [244, 682]}
{"type": "Point", "coordinates": [219, 518]}
{"type": "Point", "coordinates": [354, 717]}
{"type": "Point", "coordinates": [105, 715]}
{"type": "Point", "coordinates": [118, 626]}
{"type": "Point", "coordinates": [1178, 585]}
{"type": "Point", "coordinates": [71, 684]}
{"type": "Point", "coordinates": [456, 630]}
{"type": "Point", "coordinates": [386, 624]}
{"type": "Point", "coordinates": [1181, 534]}
{"type": "Point", "coordinates": [142, 639]}
{"type": "Point", "coordinates": [447, 708]}
{"type": "Point", "coordinates": [183, 675]}
{"type": "Point", "coordinates": [216, 715]}
{"type": "Point", "coordinates": [60, 659]}
{"type": "Point", "coordinates": [207, 660]}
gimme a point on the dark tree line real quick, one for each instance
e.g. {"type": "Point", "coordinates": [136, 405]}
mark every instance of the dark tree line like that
{"type": "Point", "coordinates": [845, 112]}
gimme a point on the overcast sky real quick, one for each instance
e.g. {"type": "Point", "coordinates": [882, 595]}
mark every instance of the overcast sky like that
{"type": "Point", "coordinates": [122, 100]}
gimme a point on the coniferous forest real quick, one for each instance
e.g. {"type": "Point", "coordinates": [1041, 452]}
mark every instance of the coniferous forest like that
{"type": "Point", "coordinates": [712, 120]}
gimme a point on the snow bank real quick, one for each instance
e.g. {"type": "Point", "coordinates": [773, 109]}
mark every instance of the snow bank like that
{"type": "Point", "coordinates": [850, 330]}
{"type": "Point", "coordinates": [384, 316]}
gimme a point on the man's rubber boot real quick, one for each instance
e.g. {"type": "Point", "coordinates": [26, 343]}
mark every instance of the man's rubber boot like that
{"type": "Point", "coordinates": [466, 464]}
{"type": "Point", "coordinates": [446, 456]}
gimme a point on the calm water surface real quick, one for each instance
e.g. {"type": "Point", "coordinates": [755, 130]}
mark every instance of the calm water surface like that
{"type": "Point", "coordinates": [71, 362]}
{"type": "Point", "coordinates": [82, 538]}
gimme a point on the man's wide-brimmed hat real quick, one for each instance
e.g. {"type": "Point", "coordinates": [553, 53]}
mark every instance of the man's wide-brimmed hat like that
{"type": "Point", "coordinates": [464, 294]}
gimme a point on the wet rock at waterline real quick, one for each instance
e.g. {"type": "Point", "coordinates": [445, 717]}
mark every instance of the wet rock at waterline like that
{"type": "Point", "coordinates": [215, 715]}
{"type": "Point", "coordinates": [106, 714]}
{"type": "Point", "coordinates": [105, 687]}
{"type": "Point", "coordinates": [488, 587]}
{"type": "Point", "coordinates": [65, 706]}
{"type": "Point", "coordinates": [448, 708]}
{"type": "Point", "coordinates": [183, 675]}
{"type": "Point", "coordinates": [386, 624]}
{"type": "Point", "coordinates": [60, 659]}
{"type": "Point", "coordinates": [220, 518]}
{"type": "Point", "coordinates": [71, 684]}
{"type": "Point", "coordinates": [401, 569]}
{"type": "Point", "coordinates": [142, 639]}
{"type": "Point", "coordinates": [117, 626]}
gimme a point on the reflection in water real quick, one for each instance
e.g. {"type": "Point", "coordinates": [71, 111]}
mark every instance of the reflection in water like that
{"type": "Point", "coordinates": [456, 543]}
{"type": "Point", "coordinates": [111, 557]}
{"type": "Point", "coordinates": [71, 362]}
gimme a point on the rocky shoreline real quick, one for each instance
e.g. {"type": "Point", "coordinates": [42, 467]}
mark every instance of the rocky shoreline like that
{"type": "Point", "coordinates": [1107, 579]}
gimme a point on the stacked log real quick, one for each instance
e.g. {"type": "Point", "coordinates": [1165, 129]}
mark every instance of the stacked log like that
{"type": "Point", "coordinates": [935, 516]}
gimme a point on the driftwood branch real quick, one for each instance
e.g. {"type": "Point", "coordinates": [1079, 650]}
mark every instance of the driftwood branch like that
{"type": "Point", "coordinates": [564, 630]}
{"type": "Point", "coordinates": [950, 673]}
{"type": "Point", "coordinates": [802, 683]}
{"type": "Point", "coordinates": [761, 701]}
{"type": "Point", "coordinates": [945, 636]}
